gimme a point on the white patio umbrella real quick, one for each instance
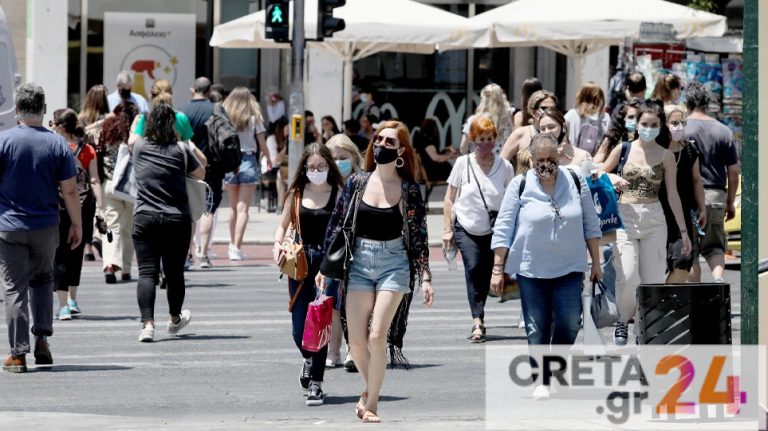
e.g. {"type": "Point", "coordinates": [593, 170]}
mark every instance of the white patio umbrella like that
{"type": "Point", "coordinates": [372, 26]}
{"type": "Point", "coordinates": [576, 28]}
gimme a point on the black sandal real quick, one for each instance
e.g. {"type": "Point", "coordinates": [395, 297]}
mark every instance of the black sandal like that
{"type": "Point", "coordinates": [475, 337]}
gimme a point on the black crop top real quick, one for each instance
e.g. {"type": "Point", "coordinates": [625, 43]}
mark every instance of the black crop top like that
{"type": "Point", "coordinates": [314, 222]}
{"type": "Point", "coordinates": [380, 224]}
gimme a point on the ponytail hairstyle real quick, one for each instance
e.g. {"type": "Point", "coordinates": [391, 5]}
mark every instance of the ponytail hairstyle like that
{"type": "Point", "coordinates": [67, 119]}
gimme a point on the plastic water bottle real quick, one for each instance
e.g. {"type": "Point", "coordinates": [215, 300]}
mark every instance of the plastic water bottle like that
{"type": "Point", "coordinates": [450, 256]}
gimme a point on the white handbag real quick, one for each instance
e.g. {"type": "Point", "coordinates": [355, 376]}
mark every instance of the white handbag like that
{"type": "Point", "coordinates": [197, 191]}
{"type": "Point", "coordinates": [122, 186]}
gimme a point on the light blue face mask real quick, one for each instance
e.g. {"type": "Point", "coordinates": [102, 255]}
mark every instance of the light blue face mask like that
{"type": "Point", "coordinates": [648, 134]}
{"type": "Point", "coordinates": [345, 167]}
{"type": "Point", "coordinates": [631, 125]}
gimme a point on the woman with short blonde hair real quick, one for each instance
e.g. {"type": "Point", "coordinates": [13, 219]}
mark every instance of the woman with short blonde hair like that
{"type": "Point", "coordinates": [587, 121]}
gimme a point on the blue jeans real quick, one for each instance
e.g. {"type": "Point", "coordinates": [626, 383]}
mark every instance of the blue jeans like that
{"type": "Point", "coordinates": [249, 172]}
{"type": "Point", "coordinates": [551, 301]}
{"type": "Point", "coordinates": [299, 312]}
{"type": "Point", "coordinates": [379, 265]}
{"type": "Point", "coordinates": [477, 255]}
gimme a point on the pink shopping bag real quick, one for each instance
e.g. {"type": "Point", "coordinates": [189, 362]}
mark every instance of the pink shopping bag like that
{"type": "Point", "coordinates": [317, 326]}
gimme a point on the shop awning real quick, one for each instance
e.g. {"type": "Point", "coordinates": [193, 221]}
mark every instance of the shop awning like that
{"type": "Point", "coordinates": [575, 28]}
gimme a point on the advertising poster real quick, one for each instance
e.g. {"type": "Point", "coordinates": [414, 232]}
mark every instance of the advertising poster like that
{"type": "Point", "coordinates": [150, 46]}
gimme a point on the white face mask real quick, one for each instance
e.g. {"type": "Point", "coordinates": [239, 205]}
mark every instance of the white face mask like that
{"type": "Point", "coordinates": [317, 178]}
{"type": "Point", "coordinates": [365, 97]}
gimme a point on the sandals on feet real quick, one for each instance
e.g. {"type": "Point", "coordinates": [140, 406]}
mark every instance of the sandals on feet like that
{"type": "Point", "coordinates": [360, 407]}
{"type": "Point", "coordinates": [478, 334]}
{"type": "Point", "coordinates": [370, 417]}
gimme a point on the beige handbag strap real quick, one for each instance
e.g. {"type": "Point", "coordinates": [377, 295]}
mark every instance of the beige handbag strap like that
{"type": "Point", "coordinates": [297, 226]}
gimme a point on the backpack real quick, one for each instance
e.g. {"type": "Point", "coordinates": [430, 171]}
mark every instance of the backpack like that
{"type": "Point", "coordinates": [223, 141]}
{"type": "Point", "coordinates": [82, 178]}
{"type": "Point", "coordinates": [590, 134]}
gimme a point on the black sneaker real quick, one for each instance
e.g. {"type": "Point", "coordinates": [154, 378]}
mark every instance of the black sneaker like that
{"type": "Point", "coordinates": [620, 334]}
{"type": "Point", "coordinates": [304, 377]}
{"type": "Point", "coordinates": [316, 396]}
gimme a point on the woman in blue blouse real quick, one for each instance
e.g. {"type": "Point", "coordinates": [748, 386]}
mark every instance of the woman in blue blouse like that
{"type": "Point", "coordinates": [551, 220]}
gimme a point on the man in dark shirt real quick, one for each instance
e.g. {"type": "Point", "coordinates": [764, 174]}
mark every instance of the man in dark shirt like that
{"type": "Point", "coordinates": [198, 110]}
{"type": "Point", "coordinates": [719, 162]}
{"type": "Point", "coordinates": [35, 165]}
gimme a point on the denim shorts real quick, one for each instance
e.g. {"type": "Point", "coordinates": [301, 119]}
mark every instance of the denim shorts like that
{"type": "Point", "coordinates": [379, 265]}
{"type": "Point", "coordinates": [249, 172]}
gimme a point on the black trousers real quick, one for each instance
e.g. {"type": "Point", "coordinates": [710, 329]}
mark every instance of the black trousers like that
{"type": "Point", "coordinates": [161, 239]}
{"type": "Point", "coordinates": [478, 262]}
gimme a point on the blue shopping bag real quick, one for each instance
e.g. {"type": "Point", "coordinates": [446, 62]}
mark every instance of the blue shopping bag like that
{"type": "Point", "coordinates": [606, 203]}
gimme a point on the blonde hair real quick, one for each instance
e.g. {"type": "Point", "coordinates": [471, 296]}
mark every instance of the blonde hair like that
{"type": "Point", "coordinates": [494, 102]}
{"type": "Point", "coordinates": [162, 98]}
{"type": "Point", "coordinates": [342, 142]}
{"type": "Point", "coordinates": [671, 109]}
{"type": "Point", "coordinates": [241, 105]}
{"type": "Point", "coordinates": [590, 99]}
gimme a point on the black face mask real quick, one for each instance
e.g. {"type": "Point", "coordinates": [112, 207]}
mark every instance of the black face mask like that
{"type": "Point", "coordinates": [383, 155]}
{"type": "Point", "coordinates": [125, 93]}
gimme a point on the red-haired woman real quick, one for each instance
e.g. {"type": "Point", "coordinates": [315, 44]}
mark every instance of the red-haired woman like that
{"type": "Point", "coordinates": [391, 257]}
{"type": "Point", "coordinates": [475, 190]}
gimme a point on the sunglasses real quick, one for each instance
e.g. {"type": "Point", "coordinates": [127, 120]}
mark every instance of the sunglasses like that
{"type": "Point", "coordinates": [677, 123]}
{"type": "Point", "coordinates": [388, 141]}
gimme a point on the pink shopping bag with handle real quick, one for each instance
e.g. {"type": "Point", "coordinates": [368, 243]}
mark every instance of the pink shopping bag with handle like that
{"type": "Point", "coordinates": [317, 326]}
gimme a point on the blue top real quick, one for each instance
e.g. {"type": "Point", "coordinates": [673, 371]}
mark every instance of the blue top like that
{"type": "Point", "coordinates": [33, 160]}
{"type": "Point", "coordinates": [541, 244]}
{"type": "Point", "coordinates": [114, 99]}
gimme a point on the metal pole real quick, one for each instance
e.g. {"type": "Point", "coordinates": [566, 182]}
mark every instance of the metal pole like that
{"type": "Point", "coordinates": [470, 96]}
{"type": "Point", "coordinates": [83, 50]}
{"type": "Point", "coordinates": [296, 99]}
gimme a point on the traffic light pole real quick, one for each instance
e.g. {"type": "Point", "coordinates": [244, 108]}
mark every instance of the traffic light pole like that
{"type": "Point", "coordinates": [296, 99]}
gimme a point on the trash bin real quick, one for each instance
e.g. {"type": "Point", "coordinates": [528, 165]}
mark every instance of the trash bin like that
{"type": "Point", "coordinates": [686, 313]}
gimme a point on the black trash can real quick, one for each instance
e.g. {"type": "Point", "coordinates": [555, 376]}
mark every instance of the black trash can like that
{"type": "Point", "coordinates": [686, 313]}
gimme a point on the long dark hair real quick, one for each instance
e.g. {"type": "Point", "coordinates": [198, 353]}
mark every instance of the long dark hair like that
{"type": "Point", "coordinates": [618, 131]}
{"type": "Point", "coordinates": [67, 119]}
{"type": "Point", "coordinates": [300, 178]}
{"type": "Point", "coordinates": [656, 107]}
{"type": "Point", "coordinates": [160, 125]}
{"type": "Point", "coordinates": [333, 123]}
{"type": "Point", "coordinates": [277, 130]}
{"type": "Point", "coordinates": [530, 86]}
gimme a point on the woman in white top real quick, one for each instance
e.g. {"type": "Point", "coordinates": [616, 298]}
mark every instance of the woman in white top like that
{"type": "Point", "coordinates": [244, 112]}
{"type": "Point", "coordinates": [587, 121]}
{"type": "Point", "coordinates": [475, 190]}
{"type": "Point", "coordinates": [493, 102]}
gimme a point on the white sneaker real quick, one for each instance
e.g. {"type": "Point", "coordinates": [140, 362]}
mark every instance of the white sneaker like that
{"type": "Point", "coordinates": [521, 322]}
{"type": "Point", "coordinates": [235, 253]}
{"type": "Point", "coordinates": [205, 262]}
{"type": "Point", "coordinates": [147, 333]}
{"type": "Point", "coordinates": [541, 393]}
{"type": "Point", "coordinates": [184, 318]}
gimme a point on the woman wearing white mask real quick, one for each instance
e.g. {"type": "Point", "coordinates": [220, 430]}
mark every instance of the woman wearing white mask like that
{"type": "Point", "coordinates": [313, 197]}
{"type": "Point", "coordinates": [691, 191]}
{"type": "Point", "coordinates": [643, 240]}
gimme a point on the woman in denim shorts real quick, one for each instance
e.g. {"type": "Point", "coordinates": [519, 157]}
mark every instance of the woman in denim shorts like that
{"type": "Point", "coordinates": [245, 113]}
{"type": "Point", "coordinates": [390, 257]}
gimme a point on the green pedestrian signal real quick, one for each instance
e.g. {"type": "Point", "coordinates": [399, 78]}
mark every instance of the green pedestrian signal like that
{"type": "Point", "coordinates": [277, 15]}
{"type": "Point", "coordinates": [277, 20]}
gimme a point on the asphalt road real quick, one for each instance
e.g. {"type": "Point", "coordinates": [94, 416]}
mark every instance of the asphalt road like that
{"type": "Point", "coordinates": [235, 366]}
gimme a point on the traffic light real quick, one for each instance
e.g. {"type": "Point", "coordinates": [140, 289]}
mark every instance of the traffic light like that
{"type": "Point", "coordinates": [326, 23]}
{"type": "Point", "coordinates": [277, 21]}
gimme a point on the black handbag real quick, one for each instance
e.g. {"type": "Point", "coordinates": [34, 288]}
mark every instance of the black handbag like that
{"type": "Point", "coordinates": [492, 214]}
{"type": "Point", "coordinates": [339, 254]}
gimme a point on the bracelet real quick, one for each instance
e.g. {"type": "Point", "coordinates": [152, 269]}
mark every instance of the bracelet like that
{"type": "Point", "coordinates": [426, 280]}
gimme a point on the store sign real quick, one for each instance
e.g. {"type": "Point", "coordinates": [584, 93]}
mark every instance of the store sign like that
{"type": "Point", "coordinates": [150, 46]}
